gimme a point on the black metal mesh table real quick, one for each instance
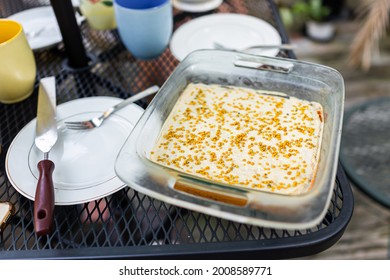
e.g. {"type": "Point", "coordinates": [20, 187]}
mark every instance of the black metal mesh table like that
{"type": "Point", "coordinates": [365, 148]}
{"type": "Point", "coordinates": [127, 224]}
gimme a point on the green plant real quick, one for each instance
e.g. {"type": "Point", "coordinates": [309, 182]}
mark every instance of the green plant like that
{"type": "Point", "coordinates": [310, 10]}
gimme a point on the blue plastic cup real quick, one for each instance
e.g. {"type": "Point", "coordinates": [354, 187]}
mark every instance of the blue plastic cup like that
{"type": "Point", "coordinates": [145, 27]}
{"type": "Point", "coordinates": [140, 4]}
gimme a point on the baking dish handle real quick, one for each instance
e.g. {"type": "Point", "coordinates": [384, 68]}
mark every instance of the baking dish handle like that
{"type": "Point", "coordinates": [267, 65]}
{"type": "Point", "coordinates": [232, 198]}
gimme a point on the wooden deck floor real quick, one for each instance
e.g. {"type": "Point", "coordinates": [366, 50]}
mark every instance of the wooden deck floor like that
{"type": "Point", "coordinates": [368, 234]}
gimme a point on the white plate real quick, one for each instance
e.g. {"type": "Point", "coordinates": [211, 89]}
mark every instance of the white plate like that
{"type": "Point", "coordinates": [84, 160]}
{"type": "Point", "coordinates": [231, 30]}
{"type": "Point", "coordinates": [196, 7]}
{"type": "Point", "coordinates": [35, 19]}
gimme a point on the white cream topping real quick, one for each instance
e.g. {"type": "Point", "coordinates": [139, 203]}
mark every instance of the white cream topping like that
{"type": "Point", "coordinates": [240, 136]}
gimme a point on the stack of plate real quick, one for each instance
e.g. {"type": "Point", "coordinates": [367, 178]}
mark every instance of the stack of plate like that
{"type": "Point", "coordinates": [42, 24]}
{"type": "Point", "coordinates": [196, 6]}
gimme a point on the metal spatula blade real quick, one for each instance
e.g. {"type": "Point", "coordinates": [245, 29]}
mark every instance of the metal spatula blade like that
{"type": "Point", "coordinates": [45, 138]}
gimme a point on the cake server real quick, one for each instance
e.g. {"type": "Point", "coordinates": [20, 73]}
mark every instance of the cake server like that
{"type": "Point", "coordinates": [45, 137]}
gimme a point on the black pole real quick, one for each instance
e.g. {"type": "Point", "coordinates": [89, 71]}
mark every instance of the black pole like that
{"type": "Point", "coordinates": [71, 36]}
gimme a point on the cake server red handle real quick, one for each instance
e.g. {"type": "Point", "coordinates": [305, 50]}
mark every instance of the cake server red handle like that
{"type": "Point", "coordinates": [44, 199]}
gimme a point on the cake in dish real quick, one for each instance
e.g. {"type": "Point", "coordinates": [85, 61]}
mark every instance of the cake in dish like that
{"type": "Point", "coordinates": [243, 137]}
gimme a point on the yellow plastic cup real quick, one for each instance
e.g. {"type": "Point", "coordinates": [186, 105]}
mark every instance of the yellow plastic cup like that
{"type": "Point", "coordinates": [18, 68]}
{"type": "Point", "coordinates": [99, 14]}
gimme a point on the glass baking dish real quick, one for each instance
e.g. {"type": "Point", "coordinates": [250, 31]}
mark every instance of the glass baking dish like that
{"type": "Point", "coordinates": [261, 208]}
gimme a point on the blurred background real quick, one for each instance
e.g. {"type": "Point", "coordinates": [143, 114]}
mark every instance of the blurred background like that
{"type": "Point", "coordinates": [351, 36]}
